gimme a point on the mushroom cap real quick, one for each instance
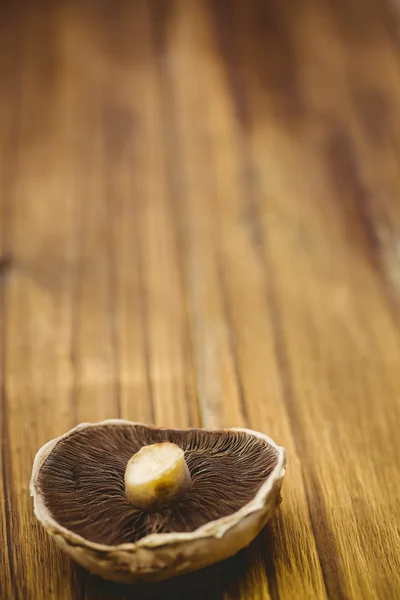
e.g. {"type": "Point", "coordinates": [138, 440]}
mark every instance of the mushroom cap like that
{"type": "Point", "coordinates": [78, 493]}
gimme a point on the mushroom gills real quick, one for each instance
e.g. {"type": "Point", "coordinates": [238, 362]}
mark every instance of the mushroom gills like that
{"type": "Point", "coordinates": [82, 479]}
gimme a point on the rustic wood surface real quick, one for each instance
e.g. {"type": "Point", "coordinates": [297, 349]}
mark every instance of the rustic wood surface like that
{"type": "Point", "coordinates": [200, 225]}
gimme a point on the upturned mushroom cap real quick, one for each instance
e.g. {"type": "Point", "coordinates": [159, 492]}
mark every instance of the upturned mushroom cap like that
{"type": "Point", "coordinates": [220, 488]}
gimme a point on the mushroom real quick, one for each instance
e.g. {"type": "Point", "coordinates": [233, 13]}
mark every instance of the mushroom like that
{"type": "Point", "coordinates": [135, 503]}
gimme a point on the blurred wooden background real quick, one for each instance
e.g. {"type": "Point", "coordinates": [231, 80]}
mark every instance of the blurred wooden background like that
{"type": "Point", "coordinates": [200, 225]}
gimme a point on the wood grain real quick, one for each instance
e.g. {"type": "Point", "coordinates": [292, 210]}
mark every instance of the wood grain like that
{"type": "Point", "coordinates": [200, 225]}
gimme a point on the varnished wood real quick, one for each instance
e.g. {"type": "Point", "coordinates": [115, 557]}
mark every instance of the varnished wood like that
{"type": "Point", "coordinates": [200, 217]}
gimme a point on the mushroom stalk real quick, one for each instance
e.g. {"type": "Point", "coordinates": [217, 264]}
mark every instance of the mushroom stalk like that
{"type": "Point", "coordinates": [156, 477]}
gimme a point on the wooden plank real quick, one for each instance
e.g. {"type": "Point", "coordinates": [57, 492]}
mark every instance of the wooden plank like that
{"type": "Point", "coordinates": [216, 202]}
{"type": "Point", "coordinates": [7, 156]}
{"type": "Point", "coordinates": [327, 281]}
{"type": "Point", "coordinates": [39, 232]}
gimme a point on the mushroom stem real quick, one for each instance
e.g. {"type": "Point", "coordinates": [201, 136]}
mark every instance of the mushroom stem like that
{"type": "Point", "coordinates": [156, 477]}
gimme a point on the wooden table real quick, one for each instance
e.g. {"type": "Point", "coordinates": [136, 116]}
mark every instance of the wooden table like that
{"type": "Point", "coordinates": [200, 225]}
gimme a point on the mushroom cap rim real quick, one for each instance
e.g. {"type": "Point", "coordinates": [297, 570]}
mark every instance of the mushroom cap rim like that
{"type": "Point", "coordinates": [214, 528]}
